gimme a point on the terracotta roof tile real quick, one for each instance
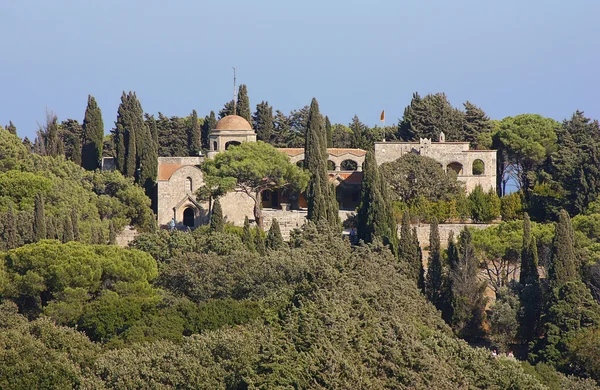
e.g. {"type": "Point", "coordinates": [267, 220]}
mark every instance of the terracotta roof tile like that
{"type": "Point", "coordinates": [165, 171]}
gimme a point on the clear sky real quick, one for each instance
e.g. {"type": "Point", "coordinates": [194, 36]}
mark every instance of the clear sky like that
{"type": "Point", "coordinates": [356, 57]}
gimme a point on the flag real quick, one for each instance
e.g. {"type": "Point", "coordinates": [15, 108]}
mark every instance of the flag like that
{"type": "Point", "coordinates": [382, 116]}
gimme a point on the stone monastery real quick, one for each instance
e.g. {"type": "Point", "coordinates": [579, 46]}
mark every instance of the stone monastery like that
{"type": "Point", "coordinates": [180, 177]}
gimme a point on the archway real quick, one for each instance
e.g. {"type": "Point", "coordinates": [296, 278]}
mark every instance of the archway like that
{"type": "Point", "coordinates": [300, 164]}
{"type": "Point", "coordinates": [456, 167]}
{"type": "Point", "coordinates": [330, 165]}
{"type": "Point", "coordinates": [188, 217]}
{"type": "Point", "coordinates": [349, 165]}
{"type": "Point", "coordinates": [478, 167]}
{"type": "Point", "coordinates": [231, 143]}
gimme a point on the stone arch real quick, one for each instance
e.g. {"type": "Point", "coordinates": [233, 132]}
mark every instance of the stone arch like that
{"type": "Point", "coordinates": [189, 217]}
{"type": "Point", "coordinates": [456, 167]}
{"type": "Point", "coordinates": [349, 165]}
{"type": "Point", "coordinates": [300, 163]}
{"type": "Point", "coordinates": [232, 143]}
{"type": "Point", "coordinates": [478, 167]}
{"type": "Point", "coordinates": [331, 165]}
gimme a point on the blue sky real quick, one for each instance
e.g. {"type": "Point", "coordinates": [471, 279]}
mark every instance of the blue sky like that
{"type": "Point", "coordinates": [356, 57]}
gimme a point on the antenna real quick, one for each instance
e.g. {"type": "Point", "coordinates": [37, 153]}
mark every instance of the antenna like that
{"type": "Point", "coordinates": [234, 94]}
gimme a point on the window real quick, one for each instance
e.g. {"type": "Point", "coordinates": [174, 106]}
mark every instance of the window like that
{"type": "Point", "coordinates": [188, 184]}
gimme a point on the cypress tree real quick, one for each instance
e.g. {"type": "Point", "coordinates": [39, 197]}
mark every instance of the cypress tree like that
{"type": "Point", "coordinates": [408, 250]}
{"type": "Point", "coordinates": [151, 123]}
{"type": "Point", "coordinates": [75, 224]}
{"type": "Point", "coordinates": [322, 203]}
{"type": "Point", "coordinates": [11, 128]}
{"type": "Point", "coordinates": [562, 267]}
{"type": "Point", "coordinates": [419, 261]}
{"type": "Point", "coordinates": [130, 154]}
{"type": "Point", "coordinates": [10, 230]}
{"type": "Point", "coordinates": [76, 156]}
{"type": "Point", "coordinates": [243, 103]}
{"type": "Point", "coordinates": [194, 135]}
{"type": "Point", "coordinates": [93, 235]}
{"type": "Point", "coordinates": [259, 241]}
{"type": "Point", "coordinates": [51, 137]}
{"type": "Point", "coordinates": [329, 131]}
{"type": "Point", "coordinates": [51, 230]}
{"type": "Point", "coordinates": [274, 238]}
{"type": "Point", "coordinates": [434, 282]}
{"type": "Point", "coordinates": [39, 219]}
{"type": "Point", "coordinates": [216, 218]}
{"type": "Point", "coordinates": [531, 298]}
{"type": "Point", "coordinates": [67, 230]}
{"type": "Point", "coordinates": [263, 122]}
{"type": "Point", "coordinates": [112, 233]}
{"type": "Point", "coordinates": [93, 135]}
{"type": "Point", "coordinates": [119, 133]}
{"type": "Point", "coordinates": [448, 290]}
{"type": "Point", "coordinates": [525, 255]}
{"type": "Point", "coordinates": [210, 122]}
{"type": "Point", "coordinates": [247, 235]}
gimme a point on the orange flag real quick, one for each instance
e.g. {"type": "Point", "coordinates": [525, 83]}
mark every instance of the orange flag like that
{"type": "Point", "coordinates": [382, 116]}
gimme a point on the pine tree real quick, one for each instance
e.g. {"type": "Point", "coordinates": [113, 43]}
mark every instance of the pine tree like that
{"type": "Point", "coordinates": [75, 224]}
{"type": "Point", "coordinates": [435, 270]}
{"type": "Point", "coordinates": [39, 219]}
{"type": "Point", "coordinates": [93, 135]}
{"type": "Point", "coordinates": [216, 218]}
{"type": "Point", "coordinates": [329, 131]}
{"type": "Point", "coordinates": [563, 266]}
{"type": "Point", "coordinates": [10, 230]}
{"type": "Point", "coordinates": [259, 241]}
{"type": "Point", "coordinates": [274, 238]}
{"type": "Point", "coordinates": [112, 233]}
{"type": "Point", "coordinates": [11, 128]}
{"type": "Point", "coordinates": [322, 203]}
{"type": "Point", "coordinates": [477, 127]}
{"type": "Point", "coordinates": [210, 122]}
{"type": "Point", "coordinates": [67, 234]}
{"type": "Point", "coordinates": [227, 110]}
{"type": "Point", "coordinates": [194, 135]}
{"type": "Point", "coordinates": [247, 235]}
{"type": "Point", "coordinates": [263, 122]}
{"type": "Point", "coordinates": [243, 103]}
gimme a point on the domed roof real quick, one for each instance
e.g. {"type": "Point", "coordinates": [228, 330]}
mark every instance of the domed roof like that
{"type": "Point", "coordinates": [233, 122]}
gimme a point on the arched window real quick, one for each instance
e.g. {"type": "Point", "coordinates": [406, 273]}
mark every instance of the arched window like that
{"type": "Point", "coordinates": [231, 143]}
{"type": "Point", "coordinates": [188, 217]}
{"type": "Point", "coordinates": [300, 163]}
{"type": "Point", "coordinates": [214, 146]}
{"type": "Point", "coordinates": [188, 184]}
{"type": "Point", "coordinates": [478, 167]}
{"type": "Point", "coordinates": [349, 165]}
{"type": "Point", "coordinates": [330, 165]}
{"type": "Point", "coordinates": [456, 167]}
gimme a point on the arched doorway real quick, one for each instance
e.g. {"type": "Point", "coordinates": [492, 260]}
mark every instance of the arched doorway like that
{"type": "Point", "coordinates": [188, 217]}
{"type": "Point", "coordinates": [231, 143]}
{"type": "Point", "coordinates": [456, 167]}
{"type": "Point", "coordinates": [478, 167]}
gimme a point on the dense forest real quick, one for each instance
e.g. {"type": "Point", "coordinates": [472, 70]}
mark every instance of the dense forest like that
{"type": "Point", "coordinates": [239, 308]}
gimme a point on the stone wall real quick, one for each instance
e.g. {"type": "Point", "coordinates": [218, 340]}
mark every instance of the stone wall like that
{"type": "Point", "coordinates": [128, 234]}
{"type": "Point", "coordinates": [445, 229]}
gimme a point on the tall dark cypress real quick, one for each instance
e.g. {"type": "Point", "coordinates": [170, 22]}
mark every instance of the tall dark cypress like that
{"type": "Point", "coordinates": [119, 133]}
{"type": "Point", "coordinates": [243, 104]}
{"type": "Point", "coordinates": [419, 261]}
{"type": "Point", "coordinates": [75, 224]}
{"type": "Point", "coordinates": [52, 139]}
{"type": "Point", "coordinates": [322, 203]}
{"type": "Point", "coordinates": [10, 230]}
{"type": "Point", "coordinates": [247, 235]}
{"type": "Point", "coordinates": [151, 123]}
{"type": "Point", "coordinates": [39, 219]}
{"type": "Point", "coordinates": [563, 266]}
{"type": "Point", "coordinates": [525, 255]}
{"type": "Point", "coordinates": [435, 270]}
{"type": "Point", "coordinates": [259, 241]}
{"type": "Point", "coordinates": [93, 135]}
{"type": "Point", "coordinates": [51, 228]}
{"type": "Point", "coordinates": [210, 122]}
{"type": "Point", "coordinates": [531, 298]}
{"type": "Point", "coordinates": [67, 231]}
{"type": "Point", "coordinates": [375, 217]}
{"type": "Point", "coordinates": [274, 239]}
{"type": "Point", "coordinates": [76, 155]}
{"type": "Point", "coordinates": [329, 131]}
{"type": "Point", "coordinates": [131, 154]}
{"type": "Point", "coordinates": [408, 250]}
{"type": "Point", "coordinates": [11, 128]}
{"type": "Point", "coordinates": [194, 134]}
{"type": "Point", "coordinates": [112, 233]}
{"type": "Point", "coordinates": [263, 122]}
{"type": "Point", "coordinates": [216, 217]}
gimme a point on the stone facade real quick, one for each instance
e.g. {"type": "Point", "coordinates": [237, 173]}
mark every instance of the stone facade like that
{"type": "Point", "coordinates": [451, 155]}
{"type": "Point", "coordinates": [445, 229]}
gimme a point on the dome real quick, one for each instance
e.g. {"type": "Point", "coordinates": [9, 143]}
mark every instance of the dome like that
{"type": "Point", "coordinates": [233, 122]}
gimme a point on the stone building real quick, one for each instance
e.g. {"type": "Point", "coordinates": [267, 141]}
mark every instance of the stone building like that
{"type": "Point", "coordinates": [180, 177]}
{"type": "Point", "coordinates": [472, 167]}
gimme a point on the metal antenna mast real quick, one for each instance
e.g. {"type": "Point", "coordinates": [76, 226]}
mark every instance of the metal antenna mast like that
{"type": "Point", "coordinates": [234, 94]}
